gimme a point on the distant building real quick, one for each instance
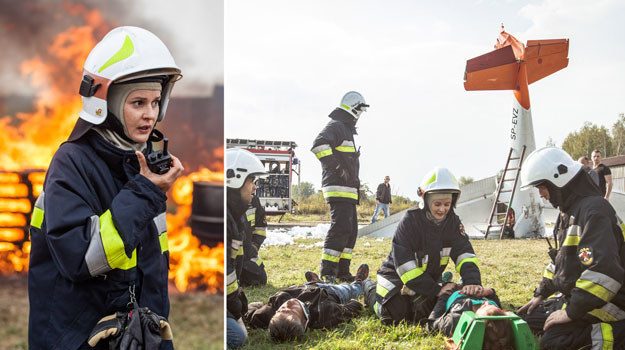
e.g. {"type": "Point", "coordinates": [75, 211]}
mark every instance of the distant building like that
{"type": "Point", "coordinates": [617, 166]}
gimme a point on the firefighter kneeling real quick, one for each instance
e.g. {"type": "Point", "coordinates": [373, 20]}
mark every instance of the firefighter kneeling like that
{"type": "Point", "coordinates": [588, 270]}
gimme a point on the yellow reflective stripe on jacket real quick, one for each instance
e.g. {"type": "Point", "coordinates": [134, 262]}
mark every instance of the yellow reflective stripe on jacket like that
{"type": "Point", "coordinates": [346, 149]}
{"type": "Point", "coordinates": [251, 215]}
{"type": "Point", "coordinates": [114, 245]}
{"type": "Point", "coordinates": [595, 289]}
{"type": "Point", "coordinates": [444, 260]}
{"type": "Point", "coordinates": [232, 284]}
{"type": "Point", "coordinates": [160, 221]}
{"type": "Point", "coordinates": [409, 271]}
{"type": "Point", "coordinates": [572, 236]}
{"type": "Point", "coordinates": [549, 271]}
{"type": "Point", "coordinates": [260, 231]}
{"type": "Point", "coordinates": [608, 313]}
{"type": "Point", "coordinates": [340, 194]}
{"type": "Point", "coordinates": [37, 218]}
{"type": "Point", "coordinates": [340, 191]}
{"type": "Point", "coordinates": [322, 151]}
{"type": "Point", "coordinates": [464, 258]}
{"type": "Point", "coordinates": [257, 260]}
{"type": "Point", "coordinates": [598, 284]}
{"type": "Point", "coordinates": [602, 336]}
{"type": "Point", "coordinates": [346, 254]}
{"type": "Point", "coordinates": [330, 255]}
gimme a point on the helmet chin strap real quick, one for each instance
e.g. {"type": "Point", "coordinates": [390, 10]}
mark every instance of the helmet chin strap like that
{"type": "Point", "coordinates": [155, 135]}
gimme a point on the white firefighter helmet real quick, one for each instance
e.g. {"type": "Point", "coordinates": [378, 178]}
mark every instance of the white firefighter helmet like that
{"type": "Point", "coordinates": [440, 180]}
{"type": "Point", "coordinates": [551, 164]}
{"type": "Point", "coordinates": [125, 54]}
{"type": "Point", "coordinates": [240, 164]}
{"type": "Point", "coordinates": [354, 103]}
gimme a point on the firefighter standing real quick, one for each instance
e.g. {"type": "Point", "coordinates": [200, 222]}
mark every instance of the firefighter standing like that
{"type": "Point", "coordinates": [241, 168]}
{"type": "Point", "coordinates": [589, 267]}
{"type": "Point", "coordinates": [255, 233]}
{"type": "Point", "coordinates": [409, 280]}
{"type": "Point", "coordinates": [336, 150]}
{"type": "Point", "coordinates": [98, 230]}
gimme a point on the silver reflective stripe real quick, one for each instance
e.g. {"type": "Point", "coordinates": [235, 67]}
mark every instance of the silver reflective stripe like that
{"type": "Point", "coordinates": [320, 148]}
{"type": "Point", "coordinates": [573, 230]}
{"type": "Point", "coordinates": [597, 336]}
{"type": "Point", "coordinates": [232, 277]}
{"type": "Point", "coordinates": [96, 257]}
{"type": "Point", "coordinates": [446, 251]}
{"type": "Point", "coordinates": [161, 223]}
{"type": "Point", "coordinates": [405, 267]}
{"type": "Point", "coordinates": [347, 250]}
{"type": "Point", "coordinates": [347, 144]}
{"type": "Point", "coordinates": [605, 281]}
{"type": "Point", "coordinates": [385, 283]}
{"type": "Point", "coordinates": [236, 244]}
{"type": "Point", "coordinates": [425, 259]}
{"type": "Point", "coordinates": [551, 268]}
{"type": "Point", "coordinates": [331, 252]}
{"type": "Point", "coordinates": [464, 256]}
{"type": "Point", "coordinates": [250, 211]}
{"type": "Point", "coordinates": [614, 311]}
{"type": "Point", "coordinates": [339, 189]}
{"type": "Point", "coordinates": [255, 259]}
{"type": "Point", "coordinates": [39, 202]}
{"type": "Point", "coordinates": [378, 309]}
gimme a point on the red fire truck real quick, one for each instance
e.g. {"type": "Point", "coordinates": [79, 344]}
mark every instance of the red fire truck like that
{"type": "Point", "coordinates": [278, 157]}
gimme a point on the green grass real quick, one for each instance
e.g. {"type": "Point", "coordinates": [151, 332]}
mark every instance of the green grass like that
{"type": "Point", "coordinates": [512, 267]}
{"type": "Point", "coordinates": [196, 318]}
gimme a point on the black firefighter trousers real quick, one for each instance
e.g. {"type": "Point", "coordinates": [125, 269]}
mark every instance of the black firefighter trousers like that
{"type": "Point", "coordinates": [340, 240]}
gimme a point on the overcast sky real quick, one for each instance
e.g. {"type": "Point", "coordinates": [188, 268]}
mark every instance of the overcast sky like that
{"type": "Point", "coordinates": [289, 63]}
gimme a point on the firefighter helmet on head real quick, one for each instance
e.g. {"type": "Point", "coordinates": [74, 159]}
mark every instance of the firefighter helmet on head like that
{"type": "Point", "coordinates": [440, 180]}
{"type": "Point", "coordinates": [125, 54]}
{"type": "Point", "coordinates": [354, 103]}
{"type": "Point", "coordinates": [240, 164]}
{"type": "Point", "coordinates": [549, 164]}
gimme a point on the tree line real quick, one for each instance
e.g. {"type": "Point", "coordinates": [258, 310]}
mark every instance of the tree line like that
{"type": "Point", "coordinates": [591, 136]}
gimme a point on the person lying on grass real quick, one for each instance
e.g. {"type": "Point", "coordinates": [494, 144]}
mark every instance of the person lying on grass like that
{"type": "Point", "coordinates": [453, 302]}
{"type": "Point", "coordinates": [314, 304]}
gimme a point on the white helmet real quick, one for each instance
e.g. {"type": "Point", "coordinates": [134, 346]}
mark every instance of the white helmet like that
{"type": "Point", "coordinates": [124, 54]}
{"type": "Point", "coordinates": [440, 180]}
{"type": "Point", "coordinates": [551, 164]}
{"type": "Point", "coordinates": [354, 103]}
{"type": "Point", "coordinates": [240, 164]}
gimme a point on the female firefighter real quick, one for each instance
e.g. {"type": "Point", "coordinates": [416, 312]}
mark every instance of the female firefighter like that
{"type": "Point", "coordinates": [98, 232]}
{"type": "Point", "coordinates": [409, 280]}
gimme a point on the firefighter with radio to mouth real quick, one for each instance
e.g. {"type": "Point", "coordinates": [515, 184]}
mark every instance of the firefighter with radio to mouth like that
{"type": "Point", "coordinates": [335, 149]}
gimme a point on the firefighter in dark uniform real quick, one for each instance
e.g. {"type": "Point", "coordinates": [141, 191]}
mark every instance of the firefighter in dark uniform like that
{"type": "Point", "coordinates": [255, 233]}
{"type": "Point", "coordinates": [587, 271]}
{"type": "Point", "coordinates": [98, 229]}
{"type": "Point", "coordinates": [336, 150]}
{"type": "Point", "coordinates": [242, 167]}
{"type": "Point", "coordinates": [409, 280]}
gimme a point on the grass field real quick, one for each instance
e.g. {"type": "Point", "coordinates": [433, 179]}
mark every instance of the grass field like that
{"type": "Point", "coordinates": [512, 267]}
{"type": "Point", "coordinates": [196, 318]}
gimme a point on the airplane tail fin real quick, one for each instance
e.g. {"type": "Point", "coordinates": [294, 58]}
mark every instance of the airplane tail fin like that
{"type": "Point", "coordinates": [545, 57]}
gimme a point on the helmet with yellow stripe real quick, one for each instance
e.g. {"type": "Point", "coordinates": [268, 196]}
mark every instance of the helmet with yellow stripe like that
{"type": "Point", "coordinates": [354, 103]}
{"type": "Point", "coordinates": [440, 180]}
{"type": "Point", "coordinates": [125, 54]}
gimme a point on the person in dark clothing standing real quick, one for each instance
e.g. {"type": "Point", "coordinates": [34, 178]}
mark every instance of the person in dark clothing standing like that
{"type": "Point", "coordinates": [383, 198]}
{"type": "Point", "coordinates": [409, 281]}
{"type": "Point", "coordinates": [587, 168]}
{"type": "Point", "coordinates": [315, 305]}
{"type": "Point", "coordinates": [255, 233]}
{"type": "Point", "coordinates": [605, 174]}
{"type": "Point", "coordinates": [242, 167]}
{"type": "Point", "coordinates": [588, 270]}
{"type": "Point", "coordinates": [335, 149]}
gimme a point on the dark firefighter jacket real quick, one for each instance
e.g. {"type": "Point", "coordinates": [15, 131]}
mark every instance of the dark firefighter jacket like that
{"type": "Point", "coordinates": [97, 227]}
{"type": "Point", "coordinates": [335, 148]}
{"type": "Point", "coordinates": [420, 252]}
{"type": "Point", "coordinates": [383, 194]}
{"type": "Point", "coordinates": [589, 266]}
{"type": "Point", "coordinates": [235, 232]}
{"type": "Point", "coordinates": [325, 309]}
{"type": "Point", "coordinates": [444, 318]}
{"type": "Point", "coordinates": [255, 231]}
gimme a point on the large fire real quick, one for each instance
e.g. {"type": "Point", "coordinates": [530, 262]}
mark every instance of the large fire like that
{"type": "Point", "coordinates": [28, 141]}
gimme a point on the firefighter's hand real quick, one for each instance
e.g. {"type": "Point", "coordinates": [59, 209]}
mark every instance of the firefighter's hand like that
{"type": "Point", "coordinates": [530, 306]}
{"type": "Point", "coordinates": [472, 290]}
{"type": "Point", "coordinates": [555, 318]}
{"type": "Point", "coordinates": [165, 181]}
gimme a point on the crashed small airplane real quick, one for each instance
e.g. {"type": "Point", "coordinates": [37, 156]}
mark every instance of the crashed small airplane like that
{"type": "Point", "coordinates": [513, 66]}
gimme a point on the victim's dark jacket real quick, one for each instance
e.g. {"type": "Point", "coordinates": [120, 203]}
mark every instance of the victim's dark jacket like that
{"type": "Point", "coordinates": [335, 148]}
{"type": "Point", "coordinates": [97, 228]}
{"type": "Point", "coordinates": [421, 251]}
{"type": "Point", "coordinates": [589, 268]}
{"type": "Point", "coordinates": [326, 311]}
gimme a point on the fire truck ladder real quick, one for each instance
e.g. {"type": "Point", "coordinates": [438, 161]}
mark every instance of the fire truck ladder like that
{"type": "Point", "coordinates": [500, 190]}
